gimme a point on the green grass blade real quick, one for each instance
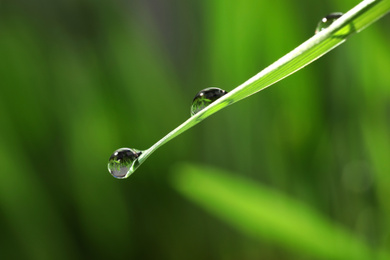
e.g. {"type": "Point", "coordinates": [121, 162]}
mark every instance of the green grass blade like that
{"type": "Point", "coordinates": [269, 215]}
{"type": "Point", "coordinates": [352, 22]}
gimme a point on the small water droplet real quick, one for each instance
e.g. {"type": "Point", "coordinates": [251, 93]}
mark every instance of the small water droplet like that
{"type": "Point", "coordinates": [205, 97]}
{"type": "Point", "coordinates": [123, 162]}
{"type": "Point", "coordinates": [327, 21]}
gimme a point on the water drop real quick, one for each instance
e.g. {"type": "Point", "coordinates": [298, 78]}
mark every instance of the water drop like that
{"type": "Point", "coordinates": [327, 21]}
{"type": "Point", "coordinates": [205, 97]}
{"type": "Point", "coordinates": [123, 162]}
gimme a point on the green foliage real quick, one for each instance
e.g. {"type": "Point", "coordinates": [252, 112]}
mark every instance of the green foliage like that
{"type": "Point", "coordinates": [82, 78]}
{"type": "Point", "coordinates": [353, 21]}
{"type": "Point", "coordinates": [268, 214]}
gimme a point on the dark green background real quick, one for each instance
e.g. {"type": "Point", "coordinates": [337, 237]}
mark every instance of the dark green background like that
{"type": "Point", "coordinates": [81, 78]}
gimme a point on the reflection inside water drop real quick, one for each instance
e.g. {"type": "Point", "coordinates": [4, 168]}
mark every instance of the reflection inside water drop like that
{"type": "Point", "coordinates": [123, 162]}
{"type": "Point", "coordinates": [204, 98]}
{"type": "Point", "coordinates": [327, 21]}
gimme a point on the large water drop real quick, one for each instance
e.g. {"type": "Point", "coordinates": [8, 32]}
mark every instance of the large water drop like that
{"type": "Point", "coordinates": [327, 21]}
{"type": "Point", "coordinates": [205, 97]}
{"type": "Point", "coordinates": [123, 162]}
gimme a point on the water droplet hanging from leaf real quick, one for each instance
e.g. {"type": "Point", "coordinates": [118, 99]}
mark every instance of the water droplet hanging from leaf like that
{"type": "Point", "coordinates": [123, 162]}
{"type": "Point", "coordinates": [204, 98]}
{"type": "Point", "coordinates": [327, 21]}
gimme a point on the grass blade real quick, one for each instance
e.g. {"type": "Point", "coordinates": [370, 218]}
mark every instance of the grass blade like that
{"type": "Point", "coordinates": [268, 215]}
{"type": "Point", "coordinates": [352, 22]}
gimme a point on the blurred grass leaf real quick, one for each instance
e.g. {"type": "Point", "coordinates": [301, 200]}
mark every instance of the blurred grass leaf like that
{"type": "Point", "coordinates": [269, 215]}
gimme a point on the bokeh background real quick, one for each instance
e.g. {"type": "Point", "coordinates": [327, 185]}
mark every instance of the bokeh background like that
{"type": "Point", "coordinates": [81, 78]}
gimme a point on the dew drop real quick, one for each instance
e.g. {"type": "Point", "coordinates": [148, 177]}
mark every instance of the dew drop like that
{"type": "Point", "coordinates": [123, 162]}
{"type": "Point", "coordinates": [204, 98]}
{"type": "Point", "coordinates": [327, 21]}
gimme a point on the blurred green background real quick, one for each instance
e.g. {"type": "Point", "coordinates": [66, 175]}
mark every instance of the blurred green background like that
{"type": "Point", "coordinates": [81, 78]}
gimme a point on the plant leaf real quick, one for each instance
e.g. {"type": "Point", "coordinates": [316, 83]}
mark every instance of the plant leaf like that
{"type": "Point", "coordinates": [267, 214]}
{"type": "Point", "coordinates": [352, 22]}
